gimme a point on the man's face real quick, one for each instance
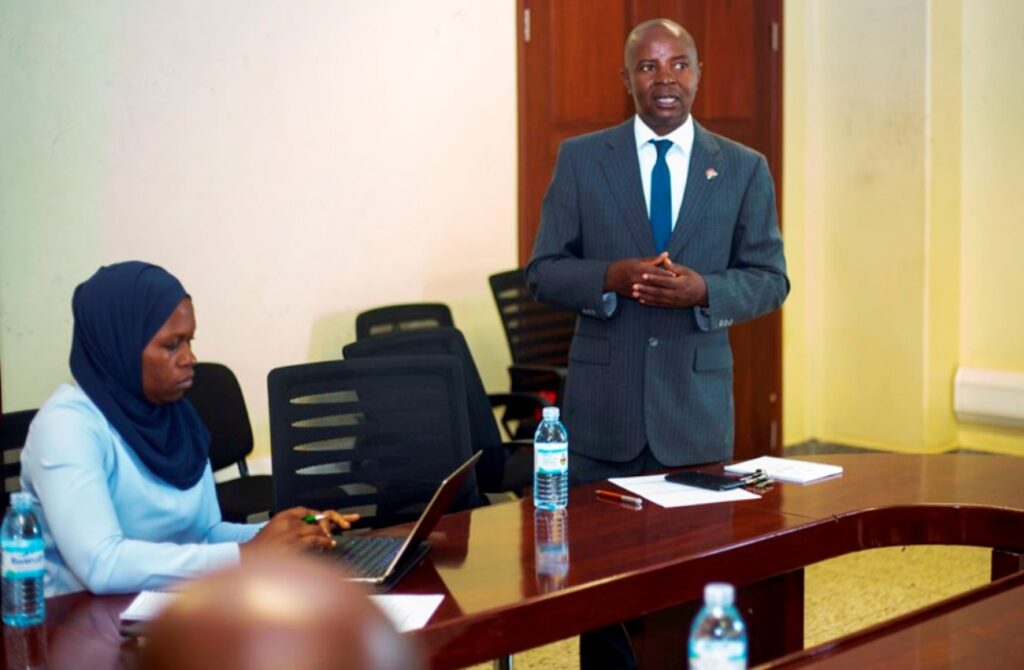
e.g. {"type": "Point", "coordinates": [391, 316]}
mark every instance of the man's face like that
{"type": "Point", "coordinates": [661, 74]}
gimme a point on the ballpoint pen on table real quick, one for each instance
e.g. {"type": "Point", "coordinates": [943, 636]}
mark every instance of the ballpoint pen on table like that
{"type": "Point", "coordinates": [634, 501]}
{"type": "Point", "coordinates": [757, 479]}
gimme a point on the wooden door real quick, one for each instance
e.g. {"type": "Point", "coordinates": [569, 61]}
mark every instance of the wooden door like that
{"type": "Point", "coordinates": [570, 54]}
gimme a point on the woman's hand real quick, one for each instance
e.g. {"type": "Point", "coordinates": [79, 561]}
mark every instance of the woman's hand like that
{"type": "Point", "coordinates": [288, 531]}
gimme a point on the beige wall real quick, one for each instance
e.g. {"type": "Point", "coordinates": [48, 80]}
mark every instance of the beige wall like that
{"type": "Point", "coordinates": [903, 151]}
{"type": "Point", "coordinates": [293, 163]}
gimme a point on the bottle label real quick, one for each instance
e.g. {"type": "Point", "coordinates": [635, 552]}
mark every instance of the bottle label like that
{"type": "Point", "coordinates": [552, 458]}
{"type": "Point", "coordinates": [23, 559]}
{"type": "Point", "coordinates": [718, 655]}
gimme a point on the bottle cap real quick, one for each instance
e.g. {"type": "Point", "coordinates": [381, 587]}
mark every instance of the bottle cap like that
{"type": "Point", "coordinates": [551, 413]}
{"type": "Point", "coordinates": [719, 594]}
{"type": "Point", "coordinates": [21, 499]}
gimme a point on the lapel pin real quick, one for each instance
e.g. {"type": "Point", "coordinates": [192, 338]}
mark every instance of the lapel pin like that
{"type": "Point", "coordinates": [711, 173]}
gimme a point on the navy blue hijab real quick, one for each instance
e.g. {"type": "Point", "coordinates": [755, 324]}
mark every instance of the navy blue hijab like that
{"type": "Point", "coordinates": [117, 312]}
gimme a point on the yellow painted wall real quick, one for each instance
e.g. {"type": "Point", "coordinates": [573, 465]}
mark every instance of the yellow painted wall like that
{"type": "Point", "coordinates": [992, 291]}
{"type": "Point", "coordinates": [281, 158]}
{"type": "Point", "coordinates": [903, 150]}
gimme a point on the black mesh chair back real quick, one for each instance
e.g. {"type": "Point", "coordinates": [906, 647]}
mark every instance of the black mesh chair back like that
{"type": "Point", "coordinates": [398, 318]}
{"type": "Point", "coordinates": [537, 333]}
{"type": "Point", "coordinates": [13, 433]}
{"type": "Point", "coordinates": [538, 337]}
{"type": "Point", "coordinates": [374, 436]}
{"type": "Point", "coordinates": [483, 430]}
{"type": "Point", "coordinates": [217, 397]}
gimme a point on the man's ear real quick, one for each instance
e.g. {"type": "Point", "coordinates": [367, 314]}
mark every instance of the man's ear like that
{"type": "Point", "coordinates": [624, 73]}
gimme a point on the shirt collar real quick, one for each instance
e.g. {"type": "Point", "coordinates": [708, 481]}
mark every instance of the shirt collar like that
{"type": "Point", "coordinates": [681, 137]}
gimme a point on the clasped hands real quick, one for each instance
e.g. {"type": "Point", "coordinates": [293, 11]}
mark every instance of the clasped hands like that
{"type": "Point", "coordinates": [656, 282]}
{"type": "Point", "coordinates": [288, 531]}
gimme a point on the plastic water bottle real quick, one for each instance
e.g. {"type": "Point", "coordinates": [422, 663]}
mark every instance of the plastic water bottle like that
{"type": "Point", "coordinates": [550, 463]}
{"type": "Point", "coordinates": [718, 638]}
{"type": "Point", "coordinates": [25, 648]}
{"type": "Point", "coordinates": [551, 548]}
{"type": "Point", "coordinates": [21, 541]}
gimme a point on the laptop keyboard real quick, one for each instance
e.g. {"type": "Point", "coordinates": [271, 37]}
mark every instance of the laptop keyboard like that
{"type": "Point", "coordinates": [369, 556]}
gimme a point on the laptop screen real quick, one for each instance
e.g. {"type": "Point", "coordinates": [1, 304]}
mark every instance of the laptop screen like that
{"type": "Point", "coordinates": [438, 505]}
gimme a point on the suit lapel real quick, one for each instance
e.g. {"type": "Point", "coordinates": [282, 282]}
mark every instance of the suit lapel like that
{"type": "Point", "coordinates": [622, 170]}
{"type": "Point", "coordinates": [699, 187]}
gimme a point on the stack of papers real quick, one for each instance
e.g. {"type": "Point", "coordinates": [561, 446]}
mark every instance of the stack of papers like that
{"type": "Point", "coordinates": [669, 494]}
{"type": "Point", "coordinates": [406, 612]}
{"type": "Point", "coordinates": [787, 469]}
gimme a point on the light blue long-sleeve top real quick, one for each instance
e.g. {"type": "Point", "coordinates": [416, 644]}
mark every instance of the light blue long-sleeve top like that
{"type": "Point", "coordinates": [110, 525]}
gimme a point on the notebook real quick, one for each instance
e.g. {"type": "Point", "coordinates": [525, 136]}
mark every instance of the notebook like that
{"type": "Point", "coordinates": [787, 469]}
{"type": "Point", "coordinates": [381, 561]}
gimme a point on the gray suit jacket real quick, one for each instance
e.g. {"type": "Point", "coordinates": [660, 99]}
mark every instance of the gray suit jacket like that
{"type": "Point", "coordinates": [647, 375]}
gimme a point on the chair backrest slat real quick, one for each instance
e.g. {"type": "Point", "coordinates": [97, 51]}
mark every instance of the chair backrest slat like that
{"type": "Point", "coordinates": [401, 318]}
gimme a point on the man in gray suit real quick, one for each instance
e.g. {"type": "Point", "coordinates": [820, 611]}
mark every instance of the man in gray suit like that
{"type": "Point", "coordinates": [662, 235]}
{"type": "Point", "coordinates": [660, 247]}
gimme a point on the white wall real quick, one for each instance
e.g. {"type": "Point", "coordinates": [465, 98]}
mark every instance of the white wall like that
{"type": "Point", "coordinates": [293, 163]}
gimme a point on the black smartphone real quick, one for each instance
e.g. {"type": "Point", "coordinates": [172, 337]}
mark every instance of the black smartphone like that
{"type": "Point", "coordinates": [704, 480]}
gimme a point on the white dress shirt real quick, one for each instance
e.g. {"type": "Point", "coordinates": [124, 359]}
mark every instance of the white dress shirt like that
{"type": "Point", "coordinates": [678, 159]}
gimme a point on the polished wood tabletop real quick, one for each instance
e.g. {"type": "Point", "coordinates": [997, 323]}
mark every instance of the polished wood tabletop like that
{"type": "Point", "coordinates": [624, 562]}
{"type": "Point", "coordinates": [509, 587]}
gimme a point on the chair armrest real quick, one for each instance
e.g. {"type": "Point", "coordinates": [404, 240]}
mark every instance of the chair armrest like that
{"type": "Point", "coordinates": [520, 409]}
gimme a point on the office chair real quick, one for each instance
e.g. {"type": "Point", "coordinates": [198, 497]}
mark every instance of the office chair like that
{"type": "Point", "coordinates": [538, 338]}
{"type": "Point", "coordinates": [13, 433]}
{"type": "Point", "coordinates": [397, 318]}
{"type": "Point", "coordinates": [374, 436]}
{"type": "Point", "coordinates": [218, 398]}
{"type": "Point", "coordinates": [504, 466]}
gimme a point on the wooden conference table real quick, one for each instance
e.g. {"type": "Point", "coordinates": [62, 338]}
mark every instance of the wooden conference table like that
{"type": "Point", "coordinates": [977, 629]}
{"type": "Point", "coordinates": [624, 563]}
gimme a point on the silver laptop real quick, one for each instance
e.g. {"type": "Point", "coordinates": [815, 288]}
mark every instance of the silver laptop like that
{"type": "Point", "coordinates": [382, 560]}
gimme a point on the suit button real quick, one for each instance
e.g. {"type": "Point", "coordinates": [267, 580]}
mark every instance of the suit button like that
{"type": "Point", "coordinates": [653, 341]}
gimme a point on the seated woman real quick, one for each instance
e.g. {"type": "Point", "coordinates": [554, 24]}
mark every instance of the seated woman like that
{"type": "Point", "coordinates": [118, 463]}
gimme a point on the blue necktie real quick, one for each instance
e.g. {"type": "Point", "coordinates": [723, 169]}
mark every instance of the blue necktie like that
{"type": "Point", "coordinates": [661, 197]}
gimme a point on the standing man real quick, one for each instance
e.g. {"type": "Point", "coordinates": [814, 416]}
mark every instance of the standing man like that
{"type": "Point", "coordinates": [662, 235]}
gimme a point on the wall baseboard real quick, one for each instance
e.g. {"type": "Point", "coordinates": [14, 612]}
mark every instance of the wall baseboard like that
{"type": "Point", "coordinates": [989, 397]}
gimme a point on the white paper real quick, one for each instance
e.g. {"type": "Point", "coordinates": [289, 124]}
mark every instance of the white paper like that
{"type": "Point", "coordinates": [148, 605]}
{"type": "Point", "coordinates": [787, 469]}
{"type": "Point", "coordinates": [668, 494]}
{"type": "Point", "coordinates": [408, 612]}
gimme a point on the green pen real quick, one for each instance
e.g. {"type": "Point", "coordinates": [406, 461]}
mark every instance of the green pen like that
{"type": "Point", "coordinates": [312, 518]}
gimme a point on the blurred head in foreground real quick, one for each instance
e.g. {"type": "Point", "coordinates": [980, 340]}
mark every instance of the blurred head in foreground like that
{"type": "Point", "coordinates": [276, 612]}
